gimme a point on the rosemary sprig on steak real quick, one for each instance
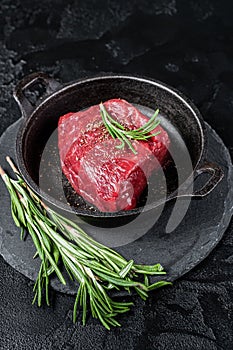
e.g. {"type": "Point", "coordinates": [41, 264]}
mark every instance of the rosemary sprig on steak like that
{"type": "Point", "coordinates": [116, 130]}
{"type": "Point", "coordinates": [59, 241]}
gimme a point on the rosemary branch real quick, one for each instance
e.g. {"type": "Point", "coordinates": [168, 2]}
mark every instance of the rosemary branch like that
{"type": "Point", "coordinates": [116, 130]}
{"type": "Point", "coordinates": [94, 266]}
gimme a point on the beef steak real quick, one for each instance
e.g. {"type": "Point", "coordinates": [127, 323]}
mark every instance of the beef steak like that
{"type": "Point", "coordinates": [111, 179]}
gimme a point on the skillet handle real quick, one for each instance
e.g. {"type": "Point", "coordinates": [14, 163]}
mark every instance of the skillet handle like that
{"type": "Point", "coordinates": [25, 105]}
{"type": "Point", "coordinates": [216, 173]}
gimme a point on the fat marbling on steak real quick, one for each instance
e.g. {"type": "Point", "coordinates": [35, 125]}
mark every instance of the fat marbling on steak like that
{"type": "Point", "coordinates": [112, 179]}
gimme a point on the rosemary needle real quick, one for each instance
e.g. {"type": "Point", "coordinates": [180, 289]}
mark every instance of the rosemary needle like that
{"type": "Point", "coordinates": [116, 130]}
{"type": "Point", "coordinates": [59, 241]}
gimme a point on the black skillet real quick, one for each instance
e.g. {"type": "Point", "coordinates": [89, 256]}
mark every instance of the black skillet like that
{"type": "Point", "coordinates": [181, 119]}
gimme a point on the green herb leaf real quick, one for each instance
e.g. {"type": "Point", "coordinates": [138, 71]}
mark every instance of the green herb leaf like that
{"type": "Point", "coordinates": [116, 130]}
{"type": "Point", "coordinates": [58, 241]}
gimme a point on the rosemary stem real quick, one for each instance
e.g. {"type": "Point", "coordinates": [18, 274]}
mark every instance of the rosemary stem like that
{"type": "Point", "coordinates": [95, 267]}
{"type": "Point", "coordinates": [13, 167]}
{"type": "Point", "coordinates": [2, 172]}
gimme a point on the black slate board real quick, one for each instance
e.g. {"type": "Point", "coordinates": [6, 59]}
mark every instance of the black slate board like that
{"type": "Point", "coordinates": [180, 251]}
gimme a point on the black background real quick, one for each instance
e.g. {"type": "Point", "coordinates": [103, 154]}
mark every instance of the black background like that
{"type": "Point", "coordinates": [187, 44]}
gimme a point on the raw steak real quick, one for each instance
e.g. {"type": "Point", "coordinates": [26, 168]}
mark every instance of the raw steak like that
{"type": "Point", "coordinates": [109, 178]}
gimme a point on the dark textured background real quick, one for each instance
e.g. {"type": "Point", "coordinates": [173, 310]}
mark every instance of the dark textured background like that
{"type": "Point", "coordinates": [187, 44]}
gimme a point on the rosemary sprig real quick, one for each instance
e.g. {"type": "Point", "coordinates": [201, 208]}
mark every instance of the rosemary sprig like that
{"type": "Point", "coordinates": [116, 130]}
{"type": "Point", "coordinates": [60, 241]}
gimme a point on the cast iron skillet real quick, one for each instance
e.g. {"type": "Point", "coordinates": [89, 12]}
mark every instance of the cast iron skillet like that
{"type": "Point", "coordinates": [40, 122]}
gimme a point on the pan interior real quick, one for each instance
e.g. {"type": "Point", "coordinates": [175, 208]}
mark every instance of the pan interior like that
{"type": "Point", "coordinates": [39, 142]}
